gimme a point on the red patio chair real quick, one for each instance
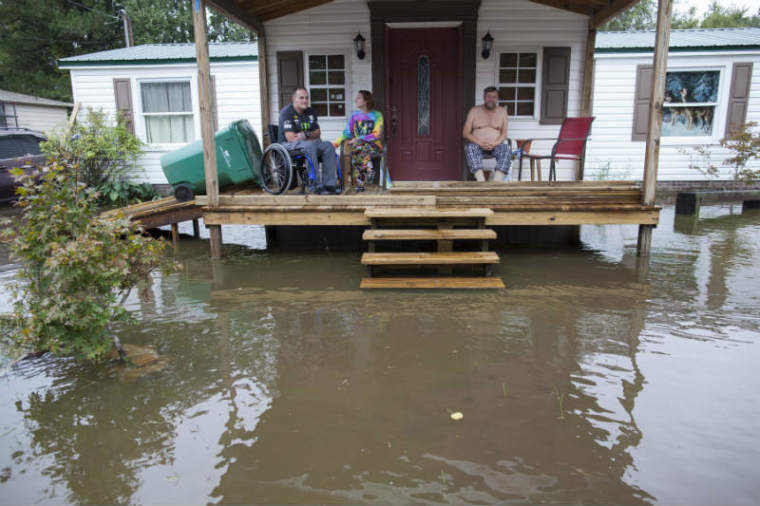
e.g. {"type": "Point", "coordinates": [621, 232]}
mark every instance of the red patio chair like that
{"type": "Point", "coordinates": [570, 145]}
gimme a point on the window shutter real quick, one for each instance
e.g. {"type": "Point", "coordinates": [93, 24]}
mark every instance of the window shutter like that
{"type": "Point", "coordinates": [289, 74]}
{"type": "Point", "coordinates": [554, 88]}
{"type": "Point", "coordinates": [641, 98]}
{"type": "Point", "coordinates": [214, 114]}
{"type": "Point", "coordinates": [122, 89]}
{"type": "Point", "coordinates": [738, 97]}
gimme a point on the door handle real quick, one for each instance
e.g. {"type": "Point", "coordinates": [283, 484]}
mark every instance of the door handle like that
{"type": "Point", "coordinates": [394, 120]}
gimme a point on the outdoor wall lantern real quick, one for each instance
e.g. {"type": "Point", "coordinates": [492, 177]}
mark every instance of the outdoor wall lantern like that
{"type": "Point", "coordinates": [487, 45]}
{"type": "Point", "coordinates": [359, 46]}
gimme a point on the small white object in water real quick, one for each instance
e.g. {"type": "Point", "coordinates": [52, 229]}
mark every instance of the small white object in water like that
{"type": "Point", "coordinates": [457, 416]}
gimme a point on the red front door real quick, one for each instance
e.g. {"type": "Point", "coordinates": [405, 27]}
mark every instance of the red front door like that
{"type": "Point", "coordinates": [424, 104]}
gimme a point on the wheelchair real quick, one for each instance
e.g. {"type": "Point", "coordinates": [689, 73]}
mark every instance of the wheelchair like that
{"type": "Point", "coordinates": [283, 169]}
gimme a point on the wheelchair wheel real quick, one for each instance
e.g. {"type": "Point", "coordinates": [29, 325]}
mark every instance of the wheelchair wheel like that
{"type": "Point", "coordinates": [276, 169]}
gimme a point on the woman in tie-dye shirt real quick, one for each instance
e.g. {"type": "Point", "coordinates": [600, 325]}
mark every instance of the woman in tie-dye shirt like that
{"type": "Point", "coordinates": [365, 131]}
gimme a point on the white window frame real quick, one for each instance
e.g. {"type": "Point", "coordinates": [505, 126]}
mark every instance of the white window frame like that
{"type": "Point", "coordinates": [537, 85]}
{"type": "Point", "coordinates": [721, 107]}
{"type": "Point", "coordinates": [141, 129]}
{"type": "Point", "coordinates": [346, 81]}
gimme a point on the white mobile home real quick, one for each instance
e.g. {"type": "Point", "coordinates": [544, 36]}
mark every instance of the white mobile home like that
{"type": "Point", "coordinates": [35, 113]}
{"type": "Point", "coordinates": [712, 88]}
{"type": "Point", "coordinates": [155, 87]}
{"type": "Point", "coordinates": [427, 64]}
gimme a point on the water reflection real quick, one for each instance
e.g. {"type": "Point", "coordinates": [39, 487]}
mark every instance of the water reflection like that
{"type": "Point", "coordinates": [285, 384]}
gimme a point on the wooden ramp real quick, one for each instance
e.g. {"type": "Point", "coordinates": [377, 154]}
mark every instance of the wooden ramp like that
{"type": "Point", "coordinates": [435, 224]}
{"type": "Point", "coordinates": [157, 213]}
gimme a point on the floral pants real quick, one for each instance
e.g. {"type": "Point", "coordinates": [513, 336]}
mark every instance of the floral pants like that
{"type": "Point", "coordinates": [361, 154]}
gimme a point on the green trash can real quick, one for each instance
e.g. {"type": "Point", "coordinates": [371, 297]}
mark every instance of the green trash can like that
{"type": "Point", "coordinates": [238, 160]}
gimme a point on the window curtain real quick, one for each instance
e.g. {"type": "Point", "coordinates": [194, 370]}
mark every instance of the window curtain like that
{"type": "Point", "coordinates": [168, 98]}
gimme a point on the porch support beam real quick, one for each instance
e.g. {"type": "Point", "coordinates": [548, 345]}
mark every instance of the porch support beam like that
{"type": "Point", "coordinates": [207, 121]}
{"type": "Point", "coordinates": [660, 63]}
{"type": "Point", "coordinates": [588, 86]}
{"type": "Point", "coordinates": [263, 86]}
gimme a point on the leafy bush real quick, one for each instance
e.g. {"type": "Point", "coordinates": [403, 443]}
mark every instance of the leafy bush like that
{"type": "Point", "coordinates": [745, 145]}
{"type": "Point", "coordinates": [76, 268]}
{"type": "Point", "coordinates": [123, 192]}
{"type": "Point", "coordinates": [103, 154]}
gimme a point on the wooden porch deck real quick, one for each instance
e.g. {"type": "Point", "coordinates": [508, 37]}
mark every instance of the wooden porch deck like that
{"type": "Point", "coordinates": [515, 203]}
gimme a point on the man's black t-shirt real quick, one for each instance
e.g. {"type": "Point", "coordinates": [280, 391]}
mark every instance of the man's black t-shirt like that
{"type": "Point", "coordinates": [291, 121]}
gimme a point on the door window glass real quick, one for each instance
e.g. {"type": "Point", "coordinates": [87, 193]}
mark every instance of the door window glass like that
{"type": "Point", "coordinates": [423, 95]}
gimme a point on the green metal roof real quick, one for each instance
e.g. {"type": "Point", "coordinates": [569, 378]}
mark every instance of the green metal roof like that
{"type": "Point", "coordinates": [151, 54]}
{"type": "Point", "coordinates": [703, 39]}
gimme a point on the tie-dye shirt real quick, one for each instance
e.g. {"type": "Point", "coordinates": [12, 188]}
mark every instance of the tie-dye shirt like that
{"type": "Point", "coordinates": [365, 126]}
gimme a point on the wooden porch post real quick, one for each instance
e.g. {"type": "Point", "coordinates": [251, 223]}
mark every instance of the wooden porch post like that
{"type": "Point", "coordinates": [588, 86]}
{"type": "Point", "coordinates": [660, 63]}
{"type": "Point", "coordinates": [207, 121]}
{"type": "Point", "coordinates": [263, 85]}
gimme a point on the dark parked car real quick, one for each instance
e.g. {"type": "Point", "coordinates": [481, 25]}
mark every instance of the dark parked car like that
{"type": "Point", "coordinates": [19, 147]}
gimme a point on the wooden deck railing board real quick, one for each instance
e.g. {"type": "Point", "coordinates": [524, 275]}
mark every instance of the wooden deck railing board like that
{"type": "Point", "coordinates": [424, 212]}
{"type": "Point", "coordinates": [464, 184]}
{"type": "Point", "coordinates": [321, 200]}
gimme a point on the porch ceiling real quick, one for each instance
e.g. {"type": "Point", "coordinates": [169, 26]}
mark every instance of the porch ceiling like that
{"type": "Point", "coordinates": [253, 13]}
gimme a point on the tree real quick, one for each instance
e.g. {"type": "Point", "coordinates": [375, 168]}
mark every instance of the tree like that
{"type": "Point", "coordinates": [167, 21]}
{"type": "Point", "coordinates": [686, 20]}
{"type": "Point", "coordinates": [76, 268]}
{"type": "Point", "coordinates": [34, 34]}
{"type": "Point", "coordinates": [641, 16]}
{"type": "Point", "coordinates": [729, 17]}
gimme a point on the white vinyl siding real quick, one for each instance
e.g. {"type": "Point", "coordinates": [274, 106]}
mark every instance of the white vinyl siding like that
{"type": "Point", "coordinates": [237, 96]}
{"type": "Point", "coordinates": [42, 118]}
{"type": "Point", "coordinates": [518, 25]}
{"type": "Point", "coordinates": [612, 154]}
{"type": "Point", "coordinates": [323, 30]}
{"type": "Point", "coordinates": [521, 26]}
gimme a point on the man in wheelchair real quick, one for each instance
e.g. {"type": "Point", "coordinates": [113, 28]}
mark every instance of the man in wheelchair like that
{"type": "Point", "coordinates": [299, 131]}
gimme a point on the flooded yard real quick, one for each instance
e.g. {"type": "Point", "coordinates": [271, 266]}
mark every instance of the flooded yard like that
{"type": "Point", "coordinates": [282, 382]}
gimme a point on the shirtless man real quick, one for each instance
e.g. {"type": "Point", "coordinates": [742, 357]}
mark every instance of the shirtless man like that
{"type": "Point", "coordinates": [485, 131]}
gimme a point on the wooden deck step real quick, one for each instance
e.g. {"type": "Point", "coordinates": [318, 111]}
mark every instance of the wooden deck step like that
{"type": "Point", "coordinates": [445, 282]}
{"type": "Point", "coordinates": [427, 212]}
{"type": "Point", "coordinates": [436, 258]}
{"type": "Point", "coordinates": [427, 234]}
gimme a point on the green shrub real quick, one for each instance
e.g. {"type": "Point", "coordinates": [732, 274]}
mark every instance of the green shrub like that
{"type": "Point", "coordinates": [123, 192]}
{"type": "Point", "coordinates": [104, 155]}
{"type": "Point", "coordinates": [76, 268]}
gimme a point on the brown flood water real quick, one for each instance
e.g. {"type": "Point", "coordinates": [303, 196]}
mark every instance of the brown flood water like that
{"type": "Point", "coordinates": [283, 383]}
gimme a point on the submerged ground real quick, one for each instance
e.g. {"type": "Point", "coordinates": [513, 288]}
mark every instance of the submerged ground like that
{"type": "Point", "coordinates": [283, 383]}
